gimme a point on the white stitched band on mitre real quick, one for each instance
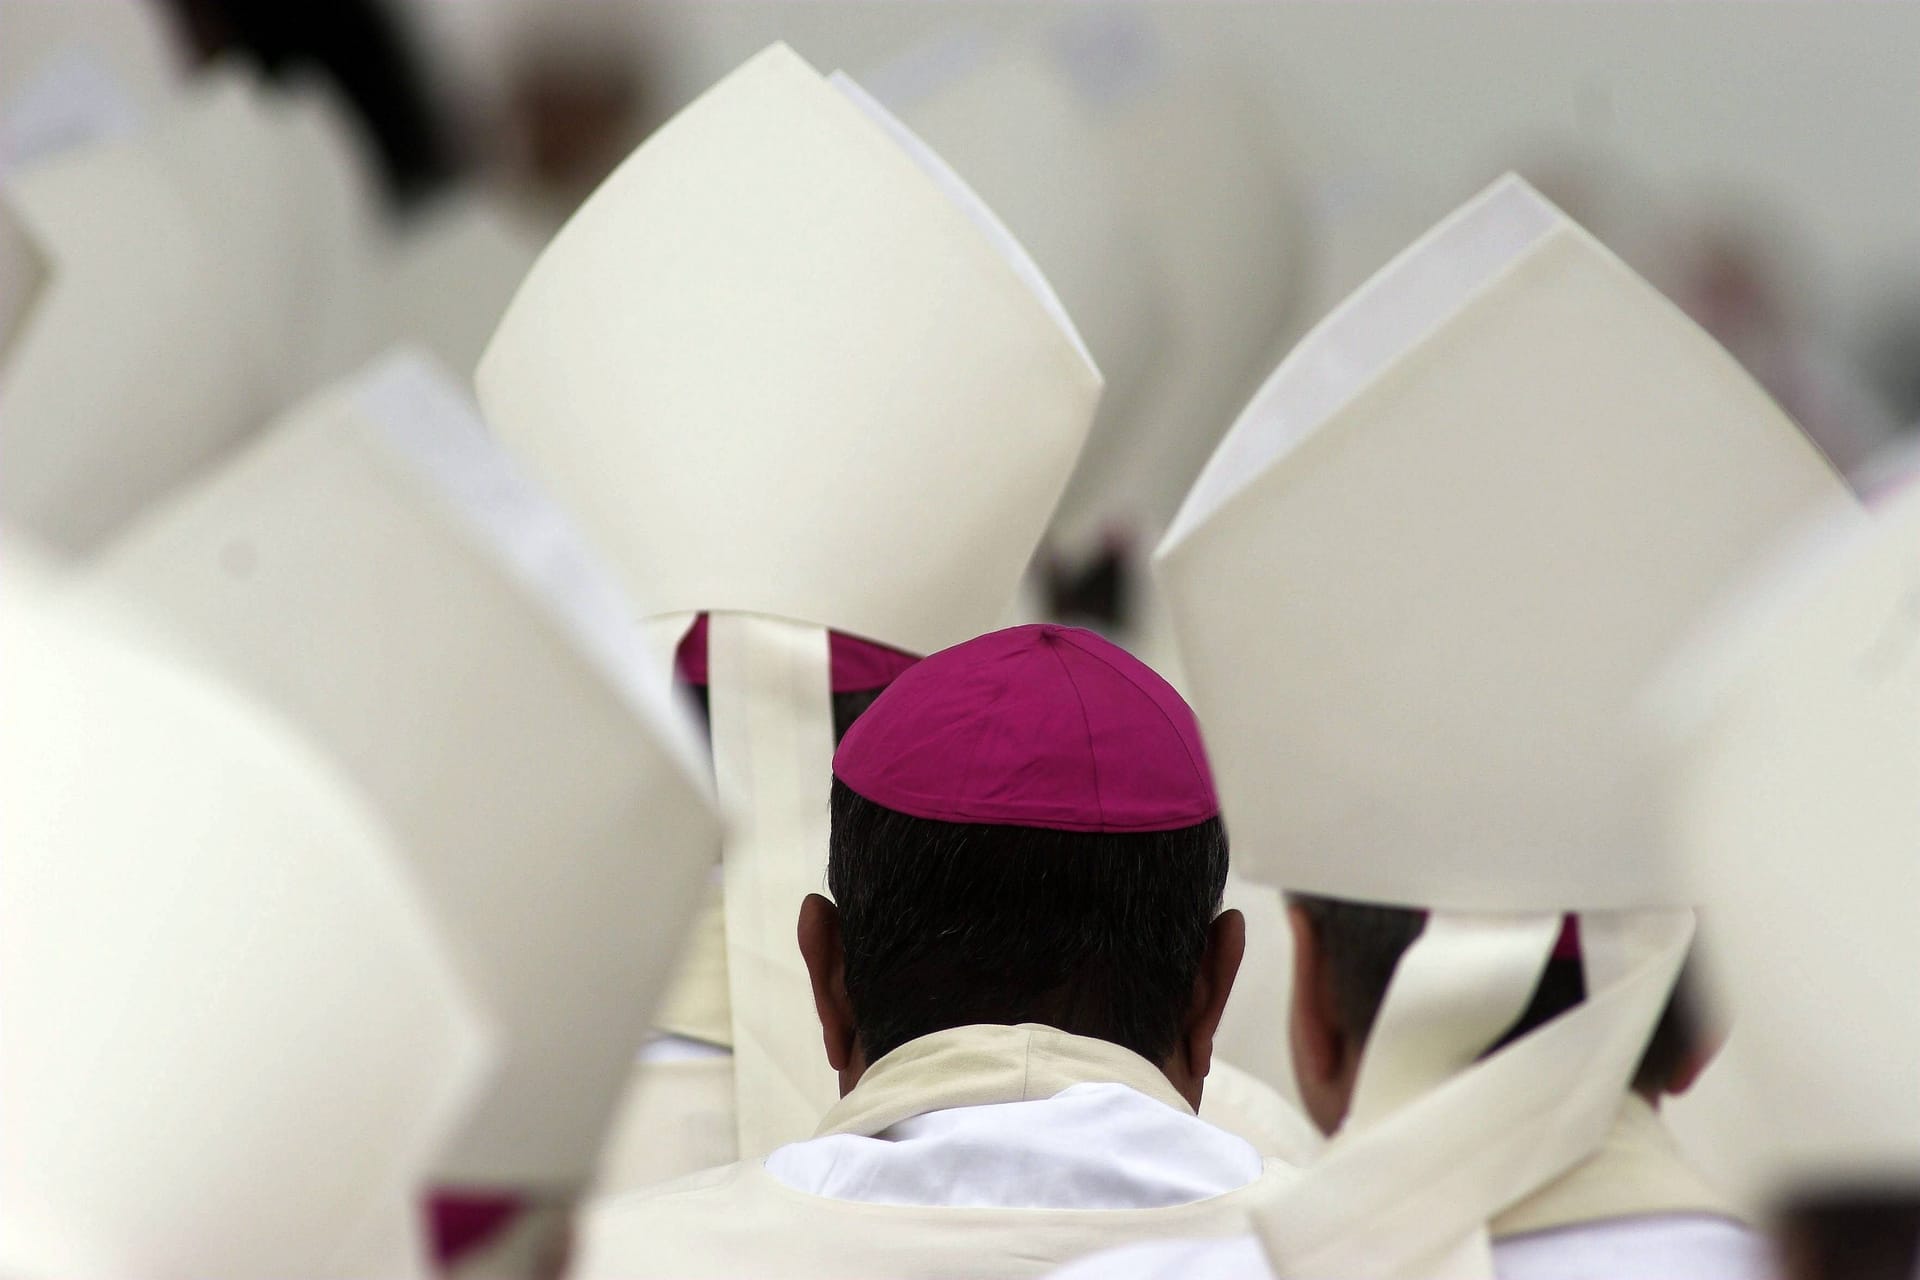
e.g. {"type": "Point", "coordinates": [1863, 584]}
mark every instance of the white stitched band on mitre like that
{"type": "Point", "coordinates": [1408, 1190]}
{"type": "Point", "coordinates": [771, 704]}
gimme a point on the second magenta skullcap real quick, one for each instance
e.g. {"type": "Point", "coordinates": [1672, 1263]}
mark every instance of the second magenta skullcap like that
{"type": "Point", "coordinates": [1035, 726]}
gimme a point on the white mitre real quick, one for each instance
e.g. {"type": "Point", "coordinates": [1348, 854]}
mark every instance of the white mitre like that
{"type": "Point", "coordinates": [782, 362]}
{"type": "Point", "coordinates": [1793, 721]}
{"type": "Point", "coordinates": [786, 367]}
{"type": "Point", "coordinates": [1416, 591]}
{"type": "Point", "coordinates": [233, 1039]}
{"type": "Point", "coordinates": [191, 277]}
{"type": "Point", "coordinates": [376, 570]}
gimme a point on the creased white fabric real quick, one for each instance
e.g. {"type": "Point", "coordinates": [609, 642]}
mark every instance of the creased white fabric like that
{"type": "Point", "coordinates": [1090, 1146]}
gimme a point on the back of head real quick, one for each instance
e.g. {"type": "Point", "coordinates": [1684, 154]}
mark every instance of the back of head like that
{"type": "Point", "coordinates": [951, 924]}
{"type": "Point", "coordinates": [1024, 830]}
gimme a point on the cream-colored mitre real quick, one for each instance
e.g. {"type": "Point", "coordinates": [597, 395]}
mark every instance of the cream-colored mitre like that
{"type": "Point", "coordinates": [783, 362]}
{"type": "Point", "coordinates": [1417, 591]}
{"type": "Point", "coordinates": [233, 1039]}
{"type": "Point", "coordinates": [377, 571]}
{"type": "Point", "coordinates": [784, 366]}
{"type": "Point", "coordinates": [1793, 721]}
{"type": "Point", "coordinates": [193, 275]}
{"type": "Point", "coordinates": [1421, 582]}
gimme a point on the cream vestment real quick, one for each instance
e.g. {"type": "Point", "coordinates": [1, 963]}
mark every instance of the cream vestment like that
{"type": "Point", "coordinates": [1632, 1211]}
{"type": "Point", "coordinates": [748, 1218]}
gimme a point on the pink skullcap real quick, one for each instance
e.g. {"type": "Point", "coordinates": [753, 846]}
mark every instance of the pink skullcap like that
{"type": "Point", "coordinates": [1036, 726]}
{"type": "Point", "coordinates": [856, 665]}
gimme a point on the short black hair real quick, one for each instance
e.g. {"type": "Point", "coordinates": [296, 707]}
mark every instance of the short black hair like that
{"type": "Point", "coordinates": [1363, 942]}
{"type": "Point", "coordinates": [952, 924]}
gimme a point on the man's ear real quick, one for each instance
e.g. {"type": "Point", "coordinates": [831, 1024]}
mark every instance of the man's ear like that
{"type": "Point", "coordinates": [826, 961]}
{"type": "Point", "coordinates": [1320, 1049]}
{"type": "Point", "coordinates": [1212, 984]}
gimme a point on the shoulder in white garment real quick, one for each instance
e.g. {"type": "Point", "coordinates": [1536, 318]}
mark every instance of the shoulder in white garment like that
{"type": "Point", "coordinates": [1090, 1146]}
{"type": "Point", "coordinates": [1663, 1247]}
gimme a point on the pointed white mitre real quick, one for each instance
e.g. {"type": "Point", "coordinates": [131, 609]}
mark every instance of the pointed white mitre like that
{"type": "Point", "coordinates": [232, 1036]}
{"type": "Point", "coordinates": [1426, 572]}
{"type": "Point", "coordinates": [1417, 591]}
{"type": "Point", "coordinates": [783, 362]}
{"type": "Point", "coordinates": [1794, 725]}
{"type": "Point", "coordinates": [375, 569]}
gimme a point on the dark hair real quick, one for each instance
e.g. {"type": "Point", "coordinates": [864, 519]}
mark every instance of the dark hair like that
{"type": "Point", "coordinates": [1851, 1234]}
{"type": "Point", "coordinates": [950, 924]}
{"type": "Point", "coordinates": [1363, 942]}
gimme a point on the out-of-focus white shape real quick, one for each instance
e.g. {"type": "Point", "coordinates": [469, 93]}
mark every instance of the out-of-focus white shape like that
{"type": "Point", "coordinates": [677, 1117]}
{"type": "Point", "coordinates": [326, 169]}
{"type": "Point", "coordinates": [128, 373]}
{"type": "Point", "coordinates": [375, 569]}
{"type": "Point", "coordinates": [446, 279]}
{"type": "Point", "coordinates": [128, 39]}
{"type": "Point", "coordinates": [220, 153]}
{"type": "Point", "coordinates": [23, 274]}
{"type": "Point", "coordinates": [197, 275]}
{"type": "Point", "coordinates": [232, 1038]}
{"type": "Point", "coordinates": [1214, 218]}
{"type": "Point", "coordinates": [392, 1245]}
{"type": "Point", "coordinates": [278, 184]}
{"type": "Point", "coordinates": [1007, 114]}
{"type": "Point", "coordinates": [28, 571]}
{"type": "Point", "coordinates": [1423, 576]}
{"type": "Point", "coordinates": [1794, 725]}
{"type": "Point", "coordinates": [774, 369]}
{"type": "Point", "coordinates": [69, 101]}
